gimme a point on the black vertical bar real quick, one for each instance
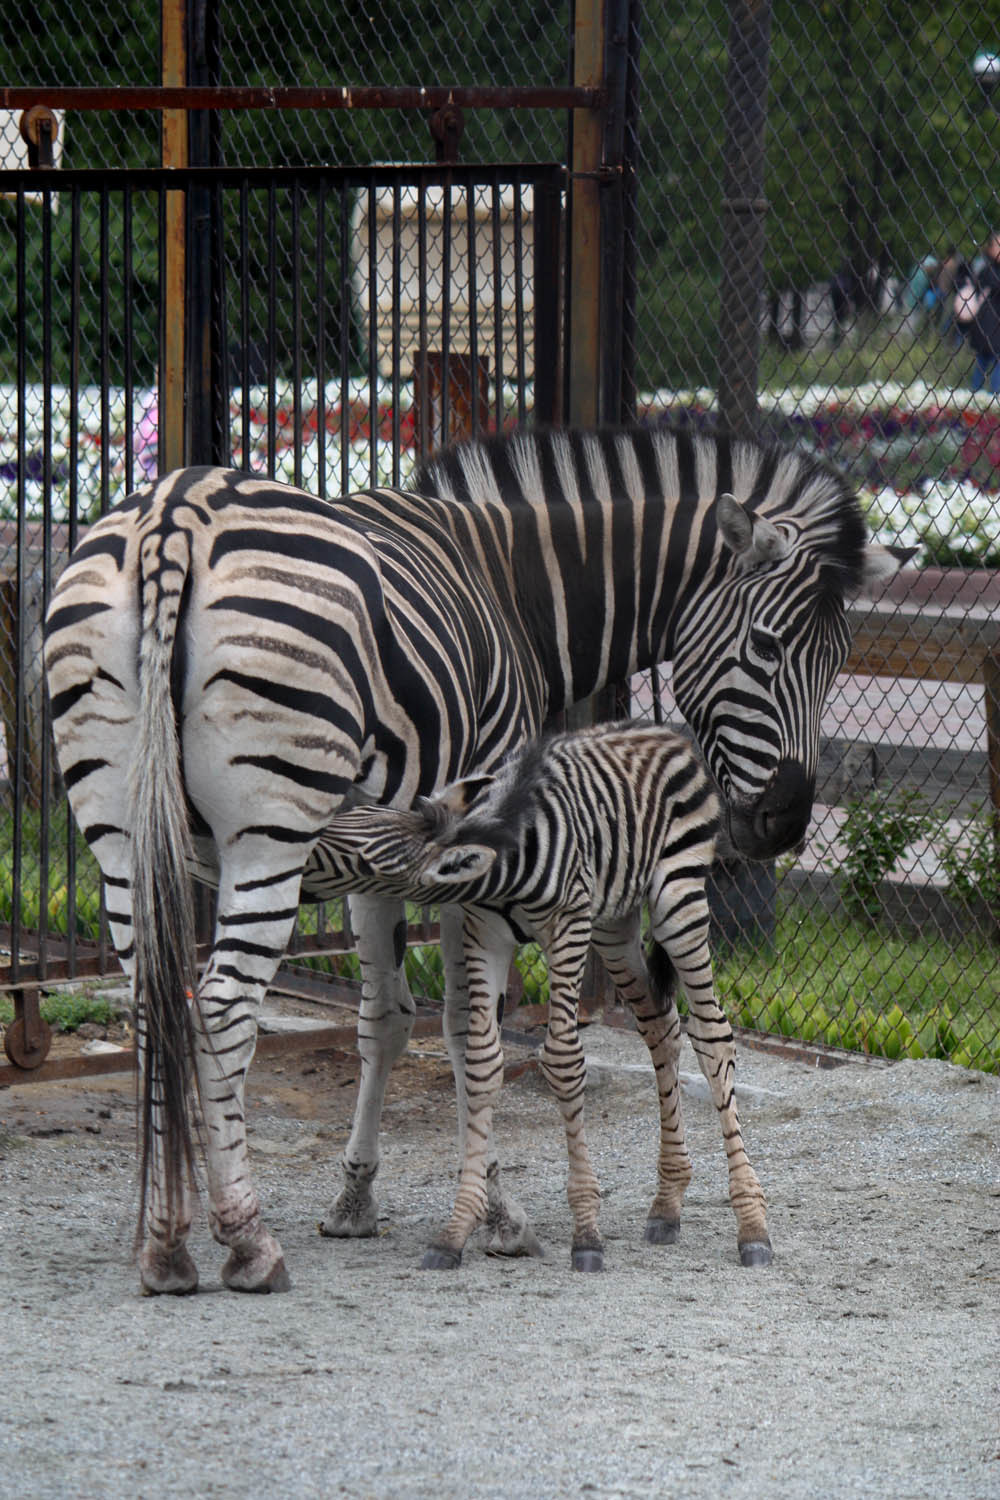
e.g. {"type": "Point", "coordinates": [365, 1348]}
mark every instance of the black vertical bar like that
{"type": "Point", "coordinates": [16, 754]}
{"type": "Point", "coordinates": [296, 228]}
{"type": "Point", "coordinates": [105, 314]}
{"type": "Point", "coordinates": [73, 527]}
{"type": "Point", "coordinates": [244, 212]}
{"type": "Point", "coordinates": [373, 318]}
{"type": "Point", "coordinates": [519, 351]}
{"type": "Point", "coordinates": [272, 327]}
{"type": "Point", "coordinates": [74, 367]}
{"type": "Point", "coordinates": [128, 331]}
{"type": "Point", "coordinates": [397, 280]}
{"type": "Point", "coordinates": [422, 374]}
{"type": "Point", "coordinates": [495, 221]}
{"type": "Point", "coordinates": [445, 312]}
{"type": "Point", "coordinates": [612, 211]}
{"type": "Point", "coordinates": [321, 338]}
{"type": "Point", "coordinates": [472, 291]}
{"type": "Point", "coordinates": [345, 340]}
{"type": "Point", "coordinates": [547, 303]}
{"type": "Point", "coordinates": [40, 721]}
{"type": "Point", "coordinates": [219, 374]}
{"type": "Point", "coordinates": [743, 214]}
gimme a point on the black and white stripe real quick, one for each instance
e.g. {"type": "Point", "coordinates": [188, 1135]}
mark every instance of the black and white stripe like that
{"type": "Point", "coordinates": [394, 641]}
{"type": "Point", "coordinates": [566, 846]}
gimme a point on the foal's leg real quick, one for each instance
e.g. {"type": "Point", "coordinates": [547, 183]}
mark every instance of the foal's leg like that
{"type": "Point", "coordinates": [488, 949]}
{"type": "Point", "coordinates": [506, 1221]}
{"type": "Point", "coordinates": [679, 923]}
{"type": "Point", "coordinates": [385, 1023]}
{"type": "Point", "coordinates": [565, 1069]}
{"type": "Point", "coordinates": [657, 1021]}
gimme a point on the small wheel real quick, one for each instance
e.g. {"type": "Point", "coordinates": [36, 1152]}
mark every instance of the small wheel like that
{"type": "Point", "coordinates": [16, 1048]}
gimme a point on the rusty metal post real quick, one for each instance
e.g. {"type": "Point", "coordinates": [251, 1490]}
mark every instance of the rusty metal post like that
{"type": "Point", "coordinates": [744, 208]}
{"type": "Point", "coordinates": [173, 153]}
{"type": "Point", "coordinates": [583, 330]}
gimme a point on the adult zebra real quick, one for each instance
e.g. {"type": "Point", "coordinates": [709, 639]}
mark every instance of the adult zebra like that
{"type": "Point", "coordinates": [228, 656]}
{"type": "Point", "coordinates": [565, 845]}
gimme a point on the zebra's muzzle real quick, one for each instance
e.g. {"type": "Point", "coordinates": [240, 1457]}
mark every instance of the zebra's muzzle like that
{"type": "Point", "coordinates": [778, 820]}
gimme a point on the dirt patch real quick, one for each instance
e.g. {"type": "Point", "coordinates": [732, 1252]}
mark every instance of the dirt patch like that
{"type": "Point", "coordinates": [864, 1361]}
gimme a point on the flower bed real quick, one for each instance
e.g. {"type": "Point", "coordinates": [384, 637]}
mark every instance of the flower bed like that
{"type": "Point", "coordinates": [926, 463]}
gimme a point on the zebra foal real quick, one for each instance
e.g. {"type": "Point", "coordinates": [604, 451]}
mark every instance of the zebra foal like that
{"type": "Point", "coordinates": [565, 845]}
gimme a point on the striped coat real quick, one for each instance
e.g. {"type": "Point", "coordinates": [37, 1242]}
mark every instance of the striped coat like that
{"type": "Point", "coordinates": [227, 657]}
{"type": "Point", "coordinates": [565, 846]}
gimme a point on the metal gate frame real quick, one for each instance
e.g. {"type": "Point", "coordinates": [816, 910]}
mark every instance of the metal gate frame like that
{"type": "Point", "coordinates": [578, 328]}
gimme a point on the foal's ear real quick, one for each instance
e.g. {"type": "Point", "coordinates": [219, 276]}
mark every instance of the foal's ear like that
{"type": "Point", "coordinates": [751, 537]}
{"type": "Point", "coordinates": [451, 803]}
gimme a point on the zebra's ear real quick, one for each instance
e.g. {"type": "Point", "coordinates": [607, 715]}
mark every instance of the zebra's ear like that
{"type": "Point", "coordinates": [458, 864]}
{"type": "Point", "coordinates": [451, 803]}
{"type": "Point", "coordinates": [752, 538]}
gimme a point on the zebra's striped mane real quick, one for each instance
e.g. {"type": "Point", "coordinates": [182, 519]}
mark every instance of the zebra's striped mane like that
{"type": "Point", "coordinates": [784, 484]}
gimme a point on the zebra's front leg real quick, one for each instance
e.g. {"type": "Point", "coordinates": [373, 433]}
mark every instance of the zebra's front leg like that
{"type": "Point", "coordinates": [565, 1069]}
{"type": "Point", "coordinates": [507, 1225]}
{"type": "Point", "coordinates": [650, 999]}
{"type": "Point", "coordinates": [686, 942]}
{"type": "Point", "coordinates": [385, 1023]}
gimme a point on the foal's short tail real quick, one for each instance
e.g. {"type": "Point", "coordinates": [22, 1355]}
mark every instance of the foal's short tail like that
{"type": "Point", "coordinates": [162, 904]}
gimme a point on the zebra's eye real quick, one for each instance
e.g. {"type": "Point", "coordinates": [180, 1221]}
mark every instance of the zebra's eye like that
{"type": "Point", "coordinates": [765, 649]}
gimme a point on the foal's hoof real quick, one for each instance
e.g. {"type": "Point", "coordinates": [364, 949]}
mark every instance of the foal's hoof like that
{"type": "Point", "coordinates": [256, 1273]}
{"type": "Point", "coordinates": [354, 1215]}
{"type": "Point", "coordinates": [756, 1253]}
{"type": "Point", "coordinates": [662, 1231]}
{"type": "Point", "coordinates": [588, 1260]}
{"type": "Point", "coordinates": [439, 1259]}
{"type": "Point", "coordinates": [167, 1274]}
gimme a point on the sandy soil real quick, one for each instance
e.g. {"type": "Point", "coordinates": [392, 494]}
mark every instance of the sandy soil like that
{"type": "Point", "coordinates": [865, 1361]}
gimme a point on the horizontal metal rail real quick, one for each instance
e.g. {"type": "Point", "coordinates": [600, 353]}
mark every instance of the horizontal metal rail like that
{"type": "Point", "coordinates": [345, 97]}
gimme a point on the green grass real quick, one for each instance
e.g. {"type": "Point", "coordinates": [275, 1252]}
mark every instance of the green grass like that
{"type": "Point", "coordinates": [824, 979]}
{"type": "Point", "coordinates": [876, 350]}
{"type": "Point", "coordinates": [828, 979]}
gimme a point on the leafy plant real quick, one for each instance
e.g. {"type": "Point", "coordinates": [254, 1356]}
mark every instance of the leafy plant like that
{"type": "Point", "coordinates": [876, 832]}
{"type": "Point", "coordinates": [972, 864]}
{"type": "Point", "coordinates": [66, 1010]}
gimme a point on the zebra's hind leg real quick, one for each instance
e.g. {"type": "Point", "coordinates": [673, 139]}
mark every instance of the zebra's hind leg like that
{"type": "Point", "coordinates": [385, 1022]}
{"type": "Point", "coordinates": [651, 1002]}
{"type": "Point", "coordinates": [253, 927]}
{"type": "Point", "coordinates": [565, 1069]}
{"type": "Point", "coordinates": [679, 923]}
{"type": "Point", "coordinates": [510, 1233]}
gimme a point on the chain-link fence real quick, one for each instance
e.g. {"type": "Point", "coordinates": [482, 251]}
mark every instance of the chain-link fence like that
{"type": "Point", "coordinates": [874, 208]}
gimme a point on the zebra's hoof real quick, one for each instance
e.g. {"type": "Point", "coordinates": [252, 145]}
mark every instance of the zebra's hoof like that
{"type": "Point", "coordinates": [756, 1253]}
{"type": "Point", "coordinates": [167, 1274]}
{"type": "Point", "coordinates": [243, 1273]}
{"type": "Point", "coordinates": [662, 1231]}
{"type": "Point", "coordinates": [437, 1259]}
{"type": "Point", "coordinates": [588, 1260]}
{"type": "Point", "coordinates": [354, 1215]}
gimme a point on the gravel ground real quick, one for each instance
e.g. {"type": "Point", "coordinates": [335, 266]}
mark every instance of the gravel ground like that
{"type": "Point", "coordinates": [865, 1361]}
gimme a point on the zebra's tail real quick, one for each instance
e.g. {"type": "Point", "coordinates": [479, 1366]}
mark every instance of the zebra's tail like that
{"type": "Point", "coordinates": [662, 974]}
{"type": "Point", "coordinates": [162, 903]}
